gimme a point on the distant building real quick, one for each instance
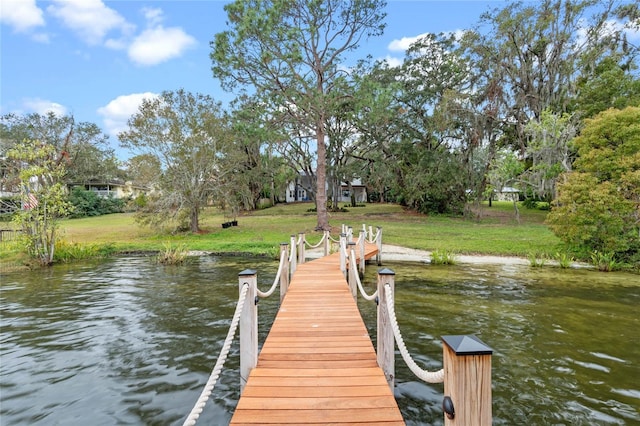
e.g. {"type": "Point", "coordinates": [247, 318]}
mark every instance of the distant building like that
{"type": "Point", "coordinates": [115, 189]}
{"type": "Point", "coordinates": [296, 190]}
{"type": "Point", "coordinates": [508, 193]}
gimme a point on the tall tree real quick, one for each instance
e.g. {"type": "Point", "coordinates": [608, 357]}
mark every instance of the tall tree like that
{"type": "Point", "coordinates": [541, 48]}
{"type": "Point", "coordinates": [188, 134]}
{"type": "Point", "coordinates": [82, 147]}
{"type": "Point", "coordinates": [289, 52]}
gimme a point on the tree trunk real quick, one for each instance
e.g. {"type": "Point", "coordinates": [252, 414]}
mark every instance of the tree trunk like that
{"type": "Point", "coordinates": [321, 179]}
{"type": "Point", "coordinates": [193, 221]}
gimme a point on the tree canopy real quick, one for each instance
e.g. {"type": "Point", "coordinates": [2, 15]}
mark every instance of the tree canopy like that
{"type": "Point", "coordinates": [598, 206]}
{"type": "Point", "coordinates": [188, 135]}
{"type": "Point", "coordinates": [288, 53]}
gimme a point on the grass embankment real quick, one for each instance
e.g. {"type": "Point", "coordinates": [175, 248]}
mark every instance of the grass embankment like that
{"type": "Point", "coordinates": [260, 232]}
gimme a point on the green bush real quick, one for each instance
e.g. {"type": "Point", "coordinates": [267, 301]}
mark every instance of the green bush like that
{"type": "Point", "coordinates": [88, 203]}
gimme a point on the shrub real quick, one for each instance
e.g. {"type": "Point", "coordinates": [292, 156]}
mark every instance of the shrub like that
{"type": "Point", "coordinates": [443, 257]}
{"type": "Point", "coordinates": [172, 255]}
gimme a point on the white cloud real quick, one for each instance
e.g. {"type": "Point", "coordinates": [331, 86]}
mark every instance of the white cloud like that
{"type": "Point", "coordinates": [91, 19]}
{"type": "Point", "coordinates": [22, 15]}
{"type": "Point", "coordinates": [392, 61]}
{"type": "Point", "coordinates": [43, 106]}
{"type": "Point", "coordinates": [156, 45]}
{"type": "Point", "coordinates": [117, 112]}
{"type": "Point", "coordinates": [401, 45]}
{"type": "Point", "coordinates": [154, 16]}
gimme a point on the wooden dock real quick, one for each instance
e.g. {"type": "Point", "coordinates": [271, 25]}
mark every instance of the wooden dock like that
{"type": "Point", "coordinates": [318, 365]}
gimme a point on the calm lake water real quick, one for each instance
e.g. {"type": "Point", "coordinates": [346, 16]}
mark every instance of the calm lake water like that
{"type": "Point", "coordinates": [129, 342]}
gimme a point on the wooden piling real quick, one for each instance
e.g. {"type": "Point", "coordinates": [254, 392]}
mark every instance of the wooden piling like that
{"type": "Point", "coordinates": [385, 339]}
{"type": "Point", "coordinates": [284, 274]}
{"type": "Point", "coordinates": [248, 326]}
{"type": "Point", "coordinates": [353, 286]}
{"type": "Point", "coordinates": [467, 381]}
{"type": "Point", "coordinates": [294, 256]}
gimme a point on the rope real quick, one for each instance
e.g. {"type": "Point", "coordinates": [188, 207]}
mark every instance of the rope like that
{"type": "Point", "coordinates": [334, 239]}
{"type": "Point", "coordinates": [362, 292]}
{"type": "Point", "coordinates": [277, 279]}
{"type": "Point", "coordinates": [427, 376]}
{"type": "Point", "coordinates": [215, 373]}
{"type": "Point", "coordinates": [317, 245]}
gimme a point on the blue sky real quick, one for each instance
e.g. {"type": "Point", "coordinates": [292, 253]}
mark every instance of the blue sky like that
{"type": "Point", "coordinates": [97, 59]}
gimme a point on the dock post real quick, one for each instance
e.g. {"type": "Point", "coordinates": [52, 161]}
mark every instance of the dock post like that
{"type": "Point", "coordinates": [385, 340]}
{"type": "Point", "coordinates": [379, 243]}
{"type": "Point", "coordinates": [349, 233]}
{"type": "Point", "coordinates": [343, 249]}
{"type": "Point", "coordinates": [284, 274]}
{"type": "Point", "coordinates": [294, 256]}
{"type": "Point", "coordinates": [301, 253]}
{"type": "Point", "coordinates": [248, 326]}
{"type": "Point", "coordinates": [362, 239]}
{"type": "Point", "coordinates": [353, 286]}
{"type": "Point", "coordinates": [371, 236]}
{"type": "Point", "coordinates": [327, 242]}
{"type": "Point", "coordinates": [467, 381]}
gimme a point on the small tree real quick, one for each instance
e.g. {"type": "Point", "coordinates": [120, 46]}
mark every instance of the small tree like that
{"type": "Point", "coordinates": [598, 205]}
{"type": "Point", "coordinates": [188, 134]}
{"type": "Point", "coordinates": [44, 198]}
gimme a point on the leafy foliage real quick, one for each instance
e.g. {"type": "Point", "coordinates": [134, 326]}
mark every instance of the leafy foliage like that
{"type": "Point", "coordinates": [88, 203]}
{"type": "Point", "coordinates": [598, 206]}
{"type": "Point", "coordinates": [44, 197]}
{"type": "Point", "coordinates": [189, 136]}
{"type": "Point", "coordinates": [288, 53]}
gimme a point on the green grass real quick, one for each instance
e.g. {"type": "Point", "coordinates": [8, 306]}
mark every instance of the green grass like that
{"type": "Point", "coordinates": [261, 232]}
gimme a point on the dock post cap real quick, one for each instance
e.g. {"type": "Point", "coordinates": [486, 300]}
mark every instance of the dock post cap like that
{"type": "Point", "coordinates": [467, 345]}
{"type": "Point", "coordinates": [385, 271]}
{"type": "Point", "coordinates": [284, 244]}
{"type": "Point", "coordinates": [247, 272]}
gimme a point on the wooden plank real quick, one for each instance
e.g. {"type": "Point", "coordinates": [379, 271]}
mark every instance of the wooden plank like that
{"type": "Point", "coordinates": [315, 403]}
{"type": "Point", "coordinates": [325, 416]}
{"type": "Point", "coordinates": [318, 364]}
{"type": "Point", "coordinates": [315, 372]}
{"type": "Point", "coordinates": [315, 392]}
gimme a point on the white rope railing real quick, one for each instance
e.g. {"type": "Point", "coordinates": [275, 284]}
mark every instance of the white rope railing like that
{"type": "Point", "coordinates": [317, 245]}
{"type": "Point", "coordinates": [335, 240]}
{"type": "Point", "coordinates": [377, 235]}
{"type": "Point", "coordinates": [427, 376]}
{"type": "Point", "coordinates": [352, 264]}
{"type": "Point", "coordinates": [215, 373]}
{"type": "Point", "coordinates": [276, 281]}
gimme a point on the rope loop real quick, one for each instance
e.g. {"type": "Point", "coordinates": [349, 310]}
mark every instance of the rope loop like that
{"type": "Point", "coordinates": [217, 369]}
{"type": "Point", "coordinates": [352, 264]}
{"type": "Point", "coordinates": [424, 375]}
{"type": "Point", "coordinates": [335, 240]}
{"type": "Point", "coordinates": [276, 280]}
{"type": "Point", "coordinates": [316, 245]}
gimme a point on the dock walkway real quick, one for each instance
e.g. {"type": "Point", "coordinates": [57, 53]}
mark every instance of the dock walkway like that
{"type": "Point", "coordinates": [318, 365]}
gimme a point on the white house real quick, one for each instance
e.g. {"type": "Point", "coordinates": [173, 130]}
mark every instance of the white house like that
{"type": "Point", "coordinates": [296, 190]}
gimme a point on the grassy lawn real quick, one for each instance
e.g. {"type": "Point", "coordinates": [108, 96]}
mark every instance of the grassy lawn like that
{"type": "Point", "coordinates": [261, 232]}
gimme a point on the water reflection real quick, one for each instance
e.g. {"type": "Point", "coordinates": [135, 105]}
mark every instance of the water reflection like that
{"type": "Point", "coordinates": [129, 342]}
